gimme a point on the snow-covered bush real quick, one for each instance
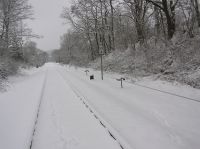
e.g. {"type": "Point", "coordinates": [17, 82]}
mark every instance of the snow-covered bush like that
{"type": "Point", "coordinates": [7, 67]}
{"type": "Point", "coordinates": [175, 60]}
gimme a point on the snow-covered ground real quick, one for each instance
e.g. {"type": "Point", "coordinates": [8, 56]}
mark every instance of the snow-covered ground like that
{"type": "Point", "coordinates": [18, 109]}
{"type": "Point", "coordinates": [64, 122]}
{"type": "Point", "coordinates": [145, 118]}
{"type": "Point", "coordinates": [79, 113]}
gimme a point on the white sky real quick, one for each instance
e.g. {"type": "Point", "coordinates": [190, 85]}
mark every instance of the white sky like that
{"type": "Point", "coordinates": [48, 23]}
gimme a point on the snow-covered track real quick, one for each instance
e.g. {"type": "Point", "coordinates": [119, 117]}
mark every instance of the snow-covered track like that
{"type": "Point", "coordinates": [72, 111]}
{"type": "Point", "coordinates": [64, 122]}
{"type": "Point", "coordinates": [111, 131]}
{"type": "Point", "coordinates": [140, 114]}
{"type": "Point", "coordinates": [38, 111]}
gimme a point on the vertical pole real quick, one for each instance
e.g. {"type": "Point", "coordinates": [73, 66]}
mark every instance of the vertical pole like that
{"type": "Point", "coordinates": [121, 84]}
{"type": "Point", "coordinates": [102, 66]}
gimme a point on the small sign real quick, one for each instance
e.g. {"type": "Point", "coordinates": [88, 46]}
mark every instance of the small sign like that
{"type": "Point", "coordinates": [101, 52]}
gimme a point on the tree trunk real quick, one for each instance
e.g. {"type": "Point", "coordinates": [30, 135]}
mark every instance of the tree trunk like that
{"type": "Point", "coordinates": [140, 31]}
{"type": "Point", "coordinates": [197, 11]}
{"type": "Point", "coordinates": [157, 22]}
{"type": "Point", "coordinates": [112, 26]}
{"type": "Point", "coordinates": [90, 46]}
{"type": "Point", "coordinates": [171, 26]}
{"type": "Point", "coordinates": [169, 13]}
{"type": "Point", "coordinates": [96, 31]}
{"type": "Point", "coordinates": [102, 29]}
{"type": "Point", "coordinates": [7, 34]}
{"type": "Point", "coordinates": [138, 12]}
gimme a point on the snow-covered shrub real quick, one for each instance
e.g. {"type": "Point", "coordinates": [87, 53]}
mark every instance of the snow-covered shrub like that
{"type": "Point", "coordinates": [175, 60]}
{"type": "Point", "coordinates": [7, 67]}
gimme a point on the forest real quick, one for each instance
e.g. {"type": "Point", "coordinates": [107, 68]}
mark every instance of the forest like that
{"type": "Point", "coordinates": [16, 47]}
{"type": "Point", "coordinates": [99, 74]}
{"type": "Point", "coordinates": [140, 37]}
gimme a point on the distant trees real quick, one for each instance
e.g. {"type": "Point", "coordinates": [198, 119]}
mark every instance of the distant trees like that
{"type": "Point", "coordinates": [95, 19]}
{"type": "Point", "coordinates": [12, 27]}
{"type": "Point", "coordinates": [14, 50]}
{"type": "Point", "coordinates": [32, 55]}
{"type": "Point", "coordinates": [74, 47]}
{"type": "Point", "coordinates": [107, 25]}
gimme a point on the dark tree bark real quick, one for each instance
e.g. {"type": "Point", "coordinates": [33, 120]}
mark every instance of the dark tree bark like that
{"type": "Point", "coordinates": [138, 10]}
{"type": "Point", "coordinates": [157, 21]}
{"type": "Point", "coordinates": [197, 11]}
{"type": "Point", "coordinates": [169, 11]}
{"type": "Point", "coordinates": [112, 26]}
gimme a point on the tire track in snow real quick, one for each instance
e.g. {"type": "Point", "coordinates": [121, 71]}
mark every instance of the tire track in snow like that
{"type": "Point", "coordinates": [113, 134]}
{"type": "Point", "coordinates": [38, 111]}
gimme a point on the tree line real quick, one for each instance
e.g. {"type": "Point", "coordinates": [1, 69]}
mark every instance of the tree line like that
{"type": "Point", "coordinates": [15, 36]}
{"type": "Point", "coordinates": [106, 25]}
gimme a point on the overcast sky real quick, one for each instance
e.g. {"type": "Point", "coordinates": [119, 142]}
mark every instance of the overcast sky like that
{"type": "Point", "coordinates": [48, 23]}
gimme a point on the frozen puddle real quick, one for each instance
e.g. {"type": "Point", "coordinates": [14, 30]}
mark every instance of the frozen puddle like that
{"type": "Point", "coordinates": [65, 123]}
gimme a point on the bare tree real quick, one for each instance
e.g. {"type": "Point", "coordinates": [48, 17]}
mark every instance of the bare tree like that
{"type": "Point", "coordinates": [13, 12]}
{"type": "Point", "coordinates": [195, 4]}
{"type": "Point", "coordinates": [138, 10]}
{"type": "Point", "coordinates": [188, 12]}
{"type": "Point", "coordinates": [112, 25]}
{"type": "Point", "coordinates": [168, 7]}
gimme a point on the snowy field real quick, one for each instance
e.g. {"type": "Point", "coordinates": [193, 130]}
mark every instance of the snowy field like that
{"type": "Point", "coordinates": [58, 107]}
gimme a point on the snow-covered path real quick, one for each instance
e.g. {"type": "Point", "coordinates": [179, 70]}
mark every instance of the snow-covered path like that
{"type": "Point", "coordinates": [65, 123]}
{"type": "Point", "coordinates": [144, 118]}
{"type": "Point", "coordinates": [76, 113]}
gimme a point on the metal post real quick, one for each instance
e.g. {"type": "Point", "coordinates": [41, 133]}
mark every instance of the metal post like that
{"type": "Point", "coordinates": [86, 71]}
{"type": "Point", "coordinates": [102, 66]}
{"type": "Point", "coordinates": [102, 49]}
{"type": "Point", "coordinates": [121, 80]}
